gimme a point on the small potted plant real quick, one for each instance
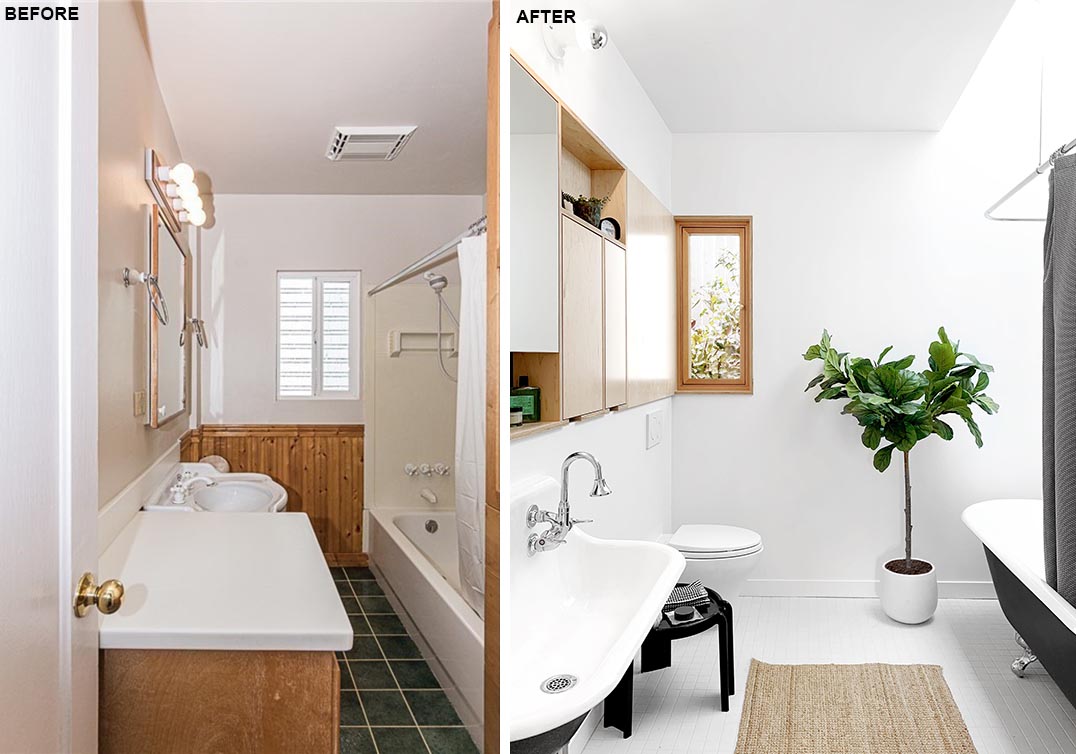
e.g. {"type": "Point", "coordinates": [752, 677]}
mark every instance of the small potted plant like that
{"type": "Point", "coordinates": [588, 208]}
{"type": "Point", "coordinates": [902, 407]}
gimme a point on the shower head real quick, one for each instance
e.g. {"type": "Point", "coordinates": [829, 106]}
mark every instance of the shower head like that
{"type": "Point", "coordinates": [437, 282]}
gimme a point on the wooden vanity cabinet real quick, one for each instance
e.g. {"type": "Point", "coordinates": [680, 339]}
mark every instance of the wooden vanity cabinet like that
{"type": "Point", "coordinates": [616, 320]}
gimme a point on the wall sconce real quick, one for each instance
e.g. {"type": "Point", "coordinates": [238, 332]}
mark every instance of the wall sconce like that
{"type": "Point", "coordinates": [589, 35]}
{"type": "Point", "coordinates": [176, 192]}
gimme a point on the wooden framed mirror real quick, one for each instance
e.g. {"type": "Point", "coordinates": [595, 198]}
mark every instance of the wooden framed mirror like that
{"type": "Point", "coordinates": [167, 317]}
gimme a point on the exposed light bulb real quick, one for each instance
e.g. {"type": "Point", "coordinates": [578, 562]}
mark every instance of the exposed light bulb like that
{"type": "Point", "coordinates": [196, 217]}
{"type": "Point", "coordinates": [181, 173]}
{"type": "Point", "coordinates": [187, 191]}
{"type": "Point", "coordinates": [192, 203]}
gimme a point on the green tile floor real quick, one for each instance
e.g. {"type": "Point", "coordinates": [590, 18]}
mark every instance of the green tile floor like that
{"type": "Point", "coordinates": [390, 701]}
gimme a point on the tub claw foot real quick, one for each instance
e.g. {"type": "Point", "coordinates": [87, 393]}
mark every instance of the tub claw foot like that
{"type": "Point", "coordinates": [1019, 665]}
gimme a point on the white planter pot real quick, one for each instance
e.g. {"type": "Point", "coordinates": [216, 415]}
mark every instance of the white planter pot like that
{"type": "Point", "coordinates": [909, 599]}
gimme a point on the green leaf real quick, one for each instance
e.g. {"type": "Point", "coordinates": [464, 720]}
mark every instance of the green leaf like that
{"type": "Point", "coordinates": [814, 382]}
{"type": "Point", "coordinates": [942, 430]}
{"type": "Point", "coordinates": [872, 399]}
{"type": "Point", "coordinates": [974, 429]}
{"type": "Point", "coordinates": [872, 437]}
{"type": "Point", "coordinates": [900, 385]}
{"type": "Point", "coordinates": [942, 356]}
{"type": "Point", "coordinates": [886, 350]}
{"type": "Point", "coordinates": [906, 408]}
{"type": "Point", "coordinates": [977, 363]}
{"type": "Point", "coordinates": [986, 403]}
{"type": "Point", "coordinates": [942, 336]}
{"type": "Point", "coordinates": [829, 394]}
{"type": "Point", "coordinates": [883, 458]}
{"type": "Point", "coordinates": [982, 382]}
{"type": "Point", "coordinates": [814, 352]}
{"type": "Point", "coordinates": [904, 363]}
{"type": "Point", "coordinates": [825, 340]}
{"type": "Point", "coordinates": [967, 371]}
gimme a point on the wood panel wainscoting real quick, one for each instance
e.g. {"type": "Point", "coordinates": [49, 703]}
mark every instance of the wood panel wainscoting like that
{"type": "Point", "coordinates": [171, 701]}
{"type": "Point", "coordinates": [320, 465]}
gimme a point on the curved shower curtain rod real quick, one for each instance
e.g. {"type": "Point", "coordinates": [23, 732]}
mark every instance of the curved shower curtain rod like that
{"type": "Point", "coordinates": [477, 228]}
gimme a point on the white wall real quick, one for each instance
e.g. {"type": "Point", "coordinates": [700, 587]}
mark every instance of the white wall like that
{"type": "Point", "coordinates": [132, 118]}
{"type": "Point", "coordinates": [880, 238]}
{"type": "Point", "coordinates": [602, 90]}
{"type": "Point", "coordinates": [411, 405]}
{"type": "Point", "coordinates": [640, 479]}
{"type": "Point", "coordinates": [254, 236]}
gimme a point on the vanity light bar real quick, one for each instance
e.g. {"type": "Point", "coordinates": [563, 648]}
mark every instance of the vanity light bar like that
{"type": "Point", "coordinates": [183, 192]}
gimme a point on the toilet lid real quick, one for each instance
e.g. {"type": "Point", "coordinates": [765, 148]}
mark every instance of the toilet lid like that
{"type": "Point", "coordinates": [714, 538]}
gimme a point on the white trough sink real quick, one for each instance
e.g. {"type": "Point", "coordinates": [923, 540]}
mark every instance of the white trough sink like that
{"type": "Point", "coordinates": [581, 610]}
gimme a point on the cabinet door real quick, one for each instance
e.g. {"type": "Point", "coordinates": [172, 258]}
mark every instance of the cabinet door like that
{"type": "Point", "coordinates": [616, 315]}
{"type": "Point", "coordinates": [582, 331]}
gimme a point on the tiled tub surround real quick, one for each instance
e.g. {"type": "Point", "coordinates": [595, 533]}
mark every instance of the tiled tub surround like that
{"type": "Point", "coordinates": [676, 708]}
{"type": "Point", "coordinates": [390, 700]}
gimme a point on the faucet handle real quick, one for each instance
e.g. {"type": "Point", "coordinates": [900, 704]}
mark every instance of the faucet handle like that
{"type": "Point", "coordinates": [575, 521]}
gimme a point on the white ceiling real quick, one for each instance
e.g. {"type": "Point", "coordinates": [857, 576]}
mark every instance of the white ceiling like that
{"type": "Point", "coordinates": [801, 65]}
{"type": "Point", "coordinates": [254, 90]}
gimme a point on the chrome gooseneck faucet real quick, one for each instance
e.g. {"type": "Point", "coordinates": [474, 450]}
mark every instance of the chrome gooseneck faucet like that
{"type": "Point", "coordinates": [562, 522]}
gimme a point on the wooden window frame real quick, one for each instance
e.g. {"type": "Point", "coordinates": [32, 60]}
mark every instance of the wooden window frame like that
{"type": "Point", "coordinates": [685, 227]}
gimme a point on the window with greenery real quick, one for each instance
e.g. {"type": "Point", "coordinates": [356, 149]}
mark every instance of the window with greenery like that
{"type": "Point", "coordinates": [713, 259]}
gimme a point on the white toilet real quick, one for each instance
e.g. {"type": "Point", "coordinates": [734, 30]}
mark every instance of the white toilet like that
{"type": "Point", "coordinates": [722, 557]}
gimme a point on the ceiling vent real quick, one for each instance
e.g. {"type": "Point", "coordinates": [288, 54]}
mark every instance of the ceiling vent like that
{"type": "Point", "coordinates": [368, 143]}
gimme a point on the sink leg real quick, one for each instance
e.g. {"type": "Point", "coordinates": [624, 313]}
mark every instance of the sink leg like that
{"type": "Point", "coordinates": [618, 704]}
{"type": "Point", "coordinates": [1019, 665]}
{"type": "Point", "coordinates": [656, 653]}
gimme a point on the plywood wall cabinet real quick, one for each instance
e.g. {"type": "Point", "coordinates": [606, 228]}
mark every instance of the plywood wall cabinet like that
{"type": "Point", "coordinates": [582, 358]}
{"type": "Point", "coordinates": [615, 320]}
{"type": "Point", "coordinates": [320, 465]}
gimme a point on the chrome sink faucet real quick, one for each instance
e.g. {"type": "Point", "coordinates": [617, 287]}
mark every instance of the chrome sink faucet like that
{"type": "Point", "coordinates": [182, 488]}
{"type": "Point", "coordinates": [561, 522]}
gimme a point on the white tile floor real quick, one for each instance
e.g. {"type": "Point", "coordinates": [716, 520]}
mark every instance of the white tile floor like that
{"type": "Point", "coordinates": [676, 709]}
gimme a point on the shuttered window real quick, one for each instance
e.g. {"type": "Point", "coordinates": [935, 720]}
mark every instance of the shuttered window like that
{"type": "Point", "coordinates": [317, 335]}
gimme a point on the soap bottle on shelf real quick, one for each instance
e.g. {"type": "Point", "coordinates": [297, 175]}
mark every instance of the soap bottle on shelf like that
{"type": "Point", "coordinates": [527, 398]}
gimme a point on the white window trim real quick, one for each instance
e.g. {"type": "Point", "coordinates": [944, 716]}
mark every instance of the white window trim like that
{"type": "Point", "coordinates": [352, 277]}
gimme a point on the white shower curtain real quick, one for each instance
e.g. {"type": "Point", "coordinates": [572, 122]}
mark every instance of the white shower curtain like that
{"type": "Point", "coordinates": [471, 422]}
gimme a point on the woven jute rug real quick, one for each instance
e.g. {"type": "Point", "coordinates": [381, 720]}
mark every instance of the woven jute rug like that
{"type": "Point", "coordinates": [850, 709]}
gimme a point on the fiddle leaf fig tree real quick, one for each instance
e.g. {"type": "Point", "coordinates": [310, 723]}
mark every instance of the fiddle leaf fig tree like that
{"type": "Point", "coordinates": [898, 407]}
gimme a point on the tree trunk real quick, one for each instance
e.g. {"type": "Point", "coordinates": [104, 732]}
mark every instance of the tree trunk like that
{"type": "Point", "coordinates": [907, 514]}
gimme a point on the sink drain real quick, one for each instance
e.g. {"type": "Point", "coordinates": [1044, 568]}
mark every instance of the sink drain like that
{"type": "Point", "coordinates": [558, 683]}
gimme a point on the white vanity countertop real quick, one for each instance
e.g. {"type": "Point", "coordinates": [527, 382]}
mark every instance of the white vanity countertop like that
{"type": "Point", "coordinates": [255, 581]}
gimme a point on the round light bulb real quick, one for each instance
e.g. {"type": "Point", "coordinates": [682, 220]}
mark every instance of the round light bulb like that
{"type": "Point", "coordinates": [196, 217]}
{"type": "Point", "coordinates": [192, 203]}
{"type": "Point", "coordinates": [187, 191]}
{"type": "Point", "coordinates": [181, 173]}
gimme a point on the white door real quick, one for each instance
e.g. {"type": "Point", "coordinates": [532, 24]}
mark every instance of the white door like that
{"type": "Point", "coordinates": [48, 382]}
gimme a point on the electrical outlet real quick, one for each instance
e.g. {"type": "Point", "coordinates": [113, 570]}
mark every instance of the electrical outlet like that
{"type": "Point", "coordinates": [655, 428]}
{"type": "Point", "coordinates": [140, 403]}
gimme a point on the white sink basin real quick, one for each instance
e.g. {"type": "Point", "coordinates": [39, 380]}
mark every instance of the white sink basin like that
{"type": "Point", "coordinates": [581, 610]}
{"type": "Point", "coordinates": [232, 493]}
{"type": "Point", "coordinates": [234, 497]}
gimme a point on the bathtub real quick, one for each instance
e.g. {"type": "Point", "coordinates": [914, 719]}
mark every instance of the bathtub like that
{"type": "Point", "coordinates": [1011, 533]}
{"type": "Point", "coordinates": [421, 568]}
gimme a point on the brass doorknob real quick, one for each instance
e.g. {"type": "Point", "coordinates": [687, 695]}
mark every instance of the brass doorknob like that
{"type": "Point", "coordinates": [108, 597]}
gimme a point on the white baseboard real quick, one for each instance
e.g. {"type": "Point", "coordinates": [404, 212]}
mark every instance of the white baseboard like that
{"type": "Point", "coordinates": [119, 511]}
{"type": "Point", "coordinates": [865, 588]}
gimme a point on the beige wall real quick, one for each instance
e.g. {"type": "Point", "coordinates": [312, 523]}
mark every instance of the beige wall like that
{"type": "Point", "coordinates": [251, 237]}
{"type": "Point", "coordinates": [411, 405]}
{"type": "Point", "coordinates": [132, 117]}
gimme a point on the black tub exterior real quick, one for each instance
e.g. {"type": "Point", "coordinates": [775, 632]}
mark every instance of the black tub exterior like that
{"type": "Point", "coordinates": [1048, 637]}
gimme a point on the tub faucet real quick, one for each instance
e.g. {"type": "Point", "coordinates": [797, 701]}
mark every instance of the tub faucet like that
{"type": "Point", "coordinates": [183, 485]}
{"type": "Point", "coordinates": [562, 522]}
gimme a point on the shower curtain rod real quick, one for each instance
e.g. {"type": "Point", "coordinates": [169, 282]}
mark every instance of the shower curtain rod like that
{"type": "Point", "coordinates": [478, 227]}
{"type": "Point", "coordinates": [1018, 187]}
